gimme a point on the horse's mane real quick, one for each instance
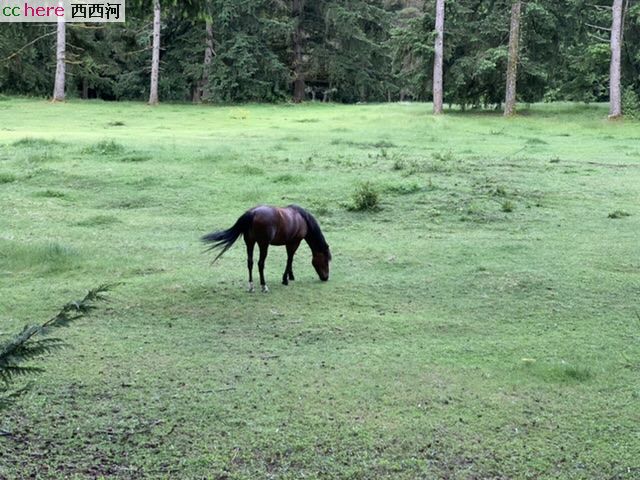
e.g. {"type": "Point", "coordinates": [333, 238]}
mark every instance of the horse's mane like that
{"type": "Point", "coordinates": [315, 238]}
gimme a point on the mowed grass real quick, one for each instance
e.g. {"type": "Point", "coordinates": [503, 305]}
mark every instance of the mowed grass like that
{"type": "Point", "coordinates": [480, 322]}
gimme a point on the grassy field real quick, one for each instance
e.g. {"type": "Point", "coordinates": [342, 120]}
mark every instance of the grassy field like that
{"type": "Point", "coordinates": [482, 324]}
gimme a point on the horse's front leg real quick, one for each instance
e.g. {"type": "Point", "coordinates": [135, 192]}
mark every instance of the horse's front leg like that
{"type": "Point", "coordinates": [250, 245]}
{"type": "Point", "coordinates": [264, 249]}
{"type": "Point", "coordinates": [288, 271]}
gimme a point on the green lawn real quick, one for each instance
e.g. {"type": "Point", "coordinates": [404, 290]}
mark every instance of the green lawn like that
{"type": "Point", "coordinates": [483, 324]}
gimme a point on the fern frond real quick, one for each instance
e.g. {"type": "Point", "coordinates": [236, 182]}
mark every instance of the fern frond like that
{"type": "Point", "coordinates": [32, 349]}
{"type": "Point", "coordinates": [7, 397]}
{"type": "Point", "coordinates": [23, 347]}
{"type": "Point", "coordinates": [9, 372]}
{"type": "Point", "coordinates": [79, 308]}
{"type": "Point", "coordinates": [9, 348]}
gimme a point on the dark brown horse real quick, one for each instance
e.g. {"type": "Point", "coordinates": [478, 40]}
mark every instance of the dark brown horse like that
{"type": "Point", "coordinates": [275, 226]}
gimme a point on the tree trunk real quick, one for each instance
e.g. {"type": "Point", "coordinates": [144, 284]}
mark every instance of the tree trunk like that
{"type": "Point", "coordinates": [439, 55]}
{"type": "Point", "coordinates": [61, 46]}
{"type": "Point", "coordinates": [155, 57]}
{"type": "Point", "coordinates": [298, 38]}
{"type": "Point", "coordinates": [208, 58]}
{"type": "Point", "coordinates": [615, 95]}
{"type": "Point", "coordinates": [512, 62]}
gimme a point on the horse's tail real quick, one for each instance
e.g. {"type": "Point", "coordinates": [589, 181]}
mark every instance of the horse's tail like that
{"type": "Point", "coordinates": [225, 238]}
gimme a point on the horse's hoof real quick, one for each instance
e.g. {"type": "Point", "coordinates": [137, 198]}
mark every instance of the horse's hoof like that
{"type": "Point", "coordinates": [251, 289]}
{"type": "Point", "coordinates": [265, 289]}
{"type": "Point", "coordinates": [285, 282]}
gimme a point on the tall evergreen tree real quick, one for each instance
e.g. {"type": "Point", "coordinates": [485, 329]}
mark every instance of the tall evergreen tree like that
{"type": "Point", "coordinates": [297, 10]}
{"type": "Point", "coordinates": [411, 50]}
{"type": "Point", "coordinates": [349, 57]}
{"type": "Point", "coordinates": [203, 91]}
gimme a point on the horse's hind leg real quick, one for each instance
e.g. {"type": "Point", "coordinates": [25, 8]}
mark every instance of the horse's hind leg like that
{"type": "Point", "coordinates": [264, 249]}
{"type": "Point", "coordinates": [250, 245]}
{"type": "Point", "coordinates": [288, 271]}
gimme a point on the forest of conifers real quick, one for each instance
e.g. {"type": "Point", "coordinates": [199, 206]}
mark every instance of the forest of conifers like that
{"type": "Point", "coordinates": [344, 50]}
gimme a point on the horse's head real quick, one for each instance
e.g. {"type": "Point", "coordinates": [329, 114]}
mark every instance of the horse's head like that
{"type": "Point", "coordinates": [320, 262]}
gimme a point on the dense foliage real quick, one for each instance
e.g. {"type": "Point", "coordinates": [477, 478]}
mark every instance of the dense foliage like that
{"type": "Point", "coordinates": [353, 50]}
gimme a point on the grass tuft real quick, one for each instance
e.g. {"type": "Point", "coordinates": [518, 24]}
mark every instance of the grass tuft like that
{"type": "Point", "coordinates": [536, 141]}
{"type": "Point", "coordinates": [41, 156]}
{"type": "Point", "coordinates": [619, 214]}
{"type": "Point", "coordinates": [247, 169]}
{"type": "Point", "coordinates": [98, 220]}
{"type": "Point", "coordinates": [130, 203]}
{"type": "Point", "coordinates": [135, 158]}
{"type": "Point", "coordinates": [105, 148]}
{"type": "Point", "coordinates": [447, 156]}
{"type": "Point", "coordinates": [508, 206]}
{"type": "Point", "coordinates": [7, 178]}
{"type": "Point", "coordinates": [50, 194]}
{"type": "Point", "coordinates": [383, 144]}
{"type": "Point", "coordinates": [288, 178]}
{"type": "Point", "coordinates": [52, 257]}
{"type": "Point", "coordinates": [364, 145]}
{"type": "Point", "coordinates": [404, 188]}
{"type": "Point", "coordinates": [30, 142]}
{"type": "Point", "coordinates": [500, 191]}
{"type": "Point", "coordinates": [562, 373]}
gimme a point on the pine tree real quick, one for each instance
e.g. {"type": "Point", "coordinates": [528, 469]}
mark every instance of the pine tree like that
{"type": "Point", "coordinates": [203, 91]}
{"type": "Point", "coordinates": [297, 11]}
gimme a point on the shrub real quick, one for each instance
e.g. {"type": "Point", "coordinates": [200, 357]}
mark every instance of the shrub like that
{"type": "Point", "coordinates": [399, 163]}
{"type": "Point", "coordinates": [365, 198]}
{"type": "Point", "coordinates": [630, 103]}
